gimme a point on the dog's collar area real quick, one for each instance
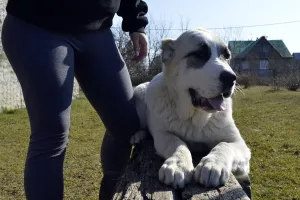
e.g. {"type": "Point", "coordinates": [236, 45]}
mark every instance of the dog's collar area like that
{"type": "Point", "coordinates": [216, 103]}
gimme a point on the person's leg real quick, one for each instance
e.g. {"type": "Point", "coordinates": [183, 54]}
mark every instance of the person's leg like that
{"type": "Point", "coordinates": [104, 78]}
{"type": "Point", "coordinates": [43, 63]}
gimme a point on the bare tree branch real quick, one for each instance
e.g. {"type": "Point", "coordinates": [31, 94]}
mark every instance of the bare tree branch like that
{"type": "Point", "coordinates": [156, 31]}
{"type": "Point", "coordinates": [184, 24]}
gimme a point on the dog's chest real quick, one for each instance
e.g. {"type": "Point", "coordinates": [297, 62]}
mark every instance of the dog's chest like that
{"type": "Point", "coordinates": [199, 130]}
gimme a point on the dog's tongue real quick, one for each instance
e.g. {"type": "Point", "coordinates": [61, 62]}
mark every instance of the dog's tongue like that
{"type": "Point", "coordinates": [217, 103]}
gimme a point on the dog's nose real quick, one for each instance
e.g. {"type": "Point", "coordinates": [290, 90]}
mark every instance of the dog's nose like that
{"type": "Point", "coordinates": [227, 79]}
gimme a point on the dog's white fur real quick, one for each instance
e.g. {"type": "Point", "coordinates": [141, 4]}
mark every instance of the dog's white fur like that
{"type": "Point", "coordinates": [179, 128]}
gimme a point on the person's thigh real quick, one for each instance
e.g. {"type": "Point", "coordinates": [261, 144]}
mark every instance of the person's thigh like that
{"type": "Point", "coordinates": [44, 65]}
{"type": "Point", "coordinates": [104, 78]}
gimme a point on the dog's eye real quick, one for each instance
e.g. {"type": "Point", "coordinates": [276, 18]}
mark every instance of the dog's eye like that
{"type": "Point", "coordinates": [200, 54]}
{"type": "Point", "coordinates": [225, 54]}
{"type": "Point", "coordinates": [203, 52]}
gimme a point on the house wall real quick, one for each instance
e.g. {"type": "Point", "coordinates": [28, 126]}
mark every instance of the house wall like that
{"type": "Point", "coordinates": [263, 50]}
{"type": "Point", "coordinates": [262, 53]}
{"type": "Point", "coordinates": [296, 56]}
{"type": "Point", "coordinates": [11, 96]}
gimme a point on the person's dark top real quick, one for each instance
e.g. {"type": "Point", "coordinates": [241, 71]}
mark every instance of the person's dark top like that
{"type": "Point", "coordinates": [80, 15]}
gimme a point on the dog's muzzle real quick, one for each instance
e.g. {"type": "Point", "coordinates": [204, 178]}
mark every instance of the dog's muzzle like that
{"type": "Point", "coordinates": [216, 103]}
{"type": "Point", "coordinates": [227, 79]}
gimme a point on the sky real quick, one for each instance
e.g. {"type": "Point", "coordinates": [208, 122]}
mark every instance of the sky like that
{"type": "Point", "coordinates": [232, 13]}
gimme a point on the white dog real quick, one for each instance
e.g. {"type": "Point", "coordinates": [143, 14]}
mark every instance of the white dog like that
{"type": "Point", "coordinates": [188, 108]}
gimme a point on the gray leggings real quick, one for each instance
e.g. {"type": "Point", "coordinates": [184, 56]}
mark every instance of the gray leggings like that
{"type": "Point", "coordinates": [46, 64]}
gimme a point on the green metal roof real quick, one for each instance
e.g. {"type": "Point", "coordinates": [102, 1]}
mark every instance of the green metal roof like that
{"type": "Point", "coordinates": [242, 48]}
{"type": "Point", "coordinates": [281, 48]}
{"type": "Point", "coordinates": [237, 47]}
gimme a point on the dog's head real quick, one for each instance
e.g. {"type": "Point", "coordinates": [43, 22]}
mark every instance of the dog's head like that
{"type": "Point", "coordinates": [197, 65]}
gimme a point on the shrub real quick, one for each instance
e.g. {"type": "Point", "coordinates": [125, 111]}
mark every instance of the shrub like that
{"type": "Point", "coordinates": [290, 81]}
{"type": "Point", "coordinates": [244, 80]}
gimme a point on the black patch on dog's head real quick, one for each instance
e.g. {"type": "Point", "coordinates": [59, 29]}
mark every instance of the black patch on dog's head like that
{"type": "Point", "coordinates": [222, 49]}
{"type": "Point", "coordinates": [198, 57]}
{"type": "Point", "coordinates": [224, 52]}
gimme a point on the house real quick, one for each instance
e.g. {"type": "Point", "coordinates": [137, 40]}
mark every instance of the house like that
{"type": "Point", "coordinates": [263, 57]}
{"type": "Point", "coordinates": [296, 56]}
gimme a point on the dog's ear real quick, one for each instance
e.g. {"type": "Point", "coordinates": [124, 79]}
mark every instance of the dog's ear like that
{"type": "Point", "coordinates": [168, 48]}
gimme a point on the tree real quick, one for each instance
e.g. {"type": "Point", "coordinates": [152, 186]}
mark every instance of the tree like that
{"type": "Point", "coordinates": [230, 33]}
{"type": "Point", "coordinates": [143, 71]}
{"type": "Point", "coordinates": [137, 71]}
{"type": "Point", "coordinates": [156, 32]}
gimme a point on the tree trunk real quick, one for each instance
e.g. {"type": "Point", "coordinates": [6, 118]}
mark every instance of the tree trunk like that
{"type": "Point", "coordinates": [140, 181]}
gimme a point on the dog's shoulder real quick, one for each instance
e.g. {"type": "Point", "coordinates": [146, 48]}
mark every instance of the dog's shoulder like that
{"type": "Point", "coordinates": [139, 94]}
{"type": "Point", "coordinates": [155, 92]}
{"type": "Point", "coordinates": [147, 97]}
{"type": "Point", "coordinates": [139, 91]}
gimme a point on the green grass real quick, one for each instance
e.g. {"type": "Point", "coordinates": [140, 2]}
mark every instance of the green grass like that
{"type": "Point", "coordinates": [8, 111]}
{"type": "Point", "coordinates": [82, 167]}
{"type": "Point", "coordinates": [269, 122]}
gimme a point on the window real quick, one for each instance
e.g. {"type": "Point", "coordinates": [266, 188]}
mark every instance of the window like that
{"type": "Point", "coordinates": [263, 64]}
{"type": "Point", "coordinates": [245, 65]}
{"type": "Point", "coordinates": [265, 48]}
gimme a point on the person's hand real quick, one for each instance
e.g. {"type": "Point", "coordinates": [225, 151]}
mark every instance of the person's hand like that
{"type": "Point", "coordinates": [140, 45]}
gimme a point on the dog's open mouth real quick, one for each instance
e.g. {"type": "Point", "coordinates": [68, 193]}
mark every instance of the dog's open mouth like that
{"type": "Point", "coordinates": [216, 103]}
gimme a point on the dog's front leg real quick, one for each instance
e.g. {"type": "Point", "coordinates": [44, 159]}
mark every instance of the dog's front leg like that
{"type": "Point", "coordinates": [177, 169]}
{"type": "Point", "coordinates": [224, 158]}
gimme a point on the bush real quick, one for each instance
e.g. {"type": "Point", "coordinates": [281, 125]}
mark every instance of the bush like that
{"type": "Point", "coordinates": [290, 81]}
{"type": "Point", "coordinates": [143, 76]}
{"type": "Point", "coordinates": [254, 78]}
{"type": "Point", "coordinates": [140, 79]}
{"type": "Point", "coordinates": [244, 80]}
{"type": "Point", "coordinates": [8, 111]}
{"type": "Point", "coordinates": [248, 80]}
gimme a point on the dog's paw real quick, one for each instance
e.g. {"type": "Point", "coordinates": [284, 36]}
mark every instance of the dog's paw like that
{"type": "Point", "coordinates": [138, 137]}
{"type": "Point", "coordinates": [176, 172]}
{"type": "Point", "coordinates": [212, 171]}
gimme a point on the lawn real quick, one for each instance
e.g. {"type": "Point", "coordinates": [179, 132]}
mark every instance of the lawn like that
{"type": "Point", "coordinates": [269, 122]}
